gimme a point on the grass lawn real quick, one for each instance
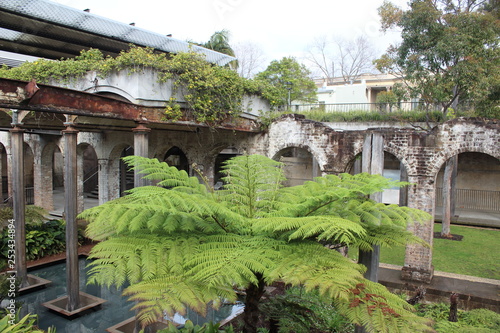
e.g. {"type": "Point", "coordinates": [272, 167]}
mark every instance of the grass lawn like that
{"type": "Point", "coordinates": [477, 254]}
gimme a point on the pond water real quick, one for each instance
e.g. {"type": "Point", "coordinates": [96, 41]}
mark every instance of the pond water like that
{"type": "Point", "coordinates": [115, 310]}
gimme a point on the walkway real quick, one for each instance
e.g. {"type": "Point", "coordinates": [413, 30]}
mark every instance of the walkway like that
{"type": "Point", "coordinates": [474, 218]}
{"type": "Point", "coordinates": [59, 203]}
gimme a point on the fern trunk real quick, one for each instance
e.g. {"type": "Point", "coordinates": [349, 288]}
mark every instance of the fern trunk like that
{"type": "Point", "coordinates": [251, 313]}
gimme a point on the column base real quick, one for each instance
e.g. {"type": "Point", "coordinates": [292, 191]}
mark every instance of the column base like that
{"type": "Point", "coordinates": [417, 274]}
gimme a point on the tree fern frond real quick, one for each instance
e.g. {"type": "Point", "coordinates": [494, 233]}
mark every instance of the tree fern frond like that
{"type": "Point", "coordinates": [168, 176]}
{"type": "Point", "coordinates": [329, 228]}
{"type": "Point", "coordinates": [317, 267]}
{"type": "Point", "coordinates": [233, 259]}
{"type": "Point", "coordinates": [251, 179]}
{"type": "Point", "coordinates": [170, 295]}
{"type": "Point", "coordinates": [375, 308]}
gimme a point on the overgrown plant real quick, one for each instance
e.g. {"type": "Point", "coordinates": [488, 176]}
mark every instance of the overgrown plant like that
{"type": "Point", "coordinates": [211, 93]}
{"type": "Point", "coordinates": [41, 239]}
{"type": "Point", "coordinates": [477, 320]}
{"type": "Point", "coordinates": [182, 245]}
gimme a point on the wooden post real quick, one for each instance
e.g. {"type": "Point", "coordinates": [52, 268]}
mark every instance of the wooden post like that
{"type": "Point", "coordinates": [19, 200]}
{"type": "Point", "coordinates": [70, 212]}
{"type": "Point", "coordinates": [372, 163]}
{"type": "Point", "coordinates": [403, 191]}
{"type": "Point", "coordinates": [448, 181]}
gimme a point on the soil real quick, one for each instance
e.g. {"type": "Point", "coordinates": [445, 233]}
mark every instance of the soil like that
{"type": "Point", "coordinates": [450, 236]}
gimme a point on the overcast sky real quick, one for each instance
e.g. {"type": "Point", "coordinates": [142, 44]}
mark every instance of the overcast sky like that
{"type": "Point", "coordinates": [279, 27]}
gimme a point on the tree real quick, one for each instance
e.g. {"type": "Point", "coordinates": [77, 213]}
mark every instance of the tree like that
{"type": "Point", "coordinates": [289, 81]}
{"type": "Point", "coordinates": [182, 245]}
{"type": "Point", "coordinates": [349, 58]}
{"type": "Point", "coordinates": [250, 59]}
{"type": "Point", "coordinates": [449, 50]}
{"type": "Point", "coordinates": [219, 41]}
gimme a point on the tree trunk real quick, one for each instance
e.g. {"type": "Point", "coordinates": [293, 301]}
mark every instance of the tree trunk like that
{"type": "Point", "coordinates": [453, 308]}
{"type": "Point", "coordinates": [251, 313]}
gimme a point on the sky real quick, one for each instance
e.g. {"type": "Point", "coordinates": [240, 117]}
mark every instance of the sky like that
{"type": "Point", "coordinates": [278, 27]}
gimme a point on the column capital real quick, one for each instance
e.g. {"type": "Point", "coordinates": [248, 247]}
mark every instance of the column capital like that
{"type": "Point", "coordinates": [70, 129]}
{"type": "Point", "coordinates": [16, 129]}
{"type": "Point", "coordinates": [141, 127]}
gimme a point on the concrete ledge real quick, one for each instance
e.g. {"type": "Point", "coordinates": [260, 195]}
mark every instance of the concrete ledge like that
{"type": "Point", "coordinates": [128, 325]}
{"type": "Point", "coordinates": [87, 302]}
{"type": "Point", "coordinates": [417, 275]}
{"type": "Point", "coordinates": [35, 283]}
{"type": "Point", "coordinates": [473, 292]}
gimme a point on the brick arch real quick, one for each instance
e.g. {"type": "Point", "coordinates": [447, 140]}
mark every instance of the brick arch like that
{"type": "Point", "coordinates": [400, 154]}
{"type": "Point", "coordinates": [447, 154]}
{"type": "Point", "coordinates": [43, 177]}
{"type": "Point", "coordinates": [464, 136]}
{"type": "Point", "coordinates": [112, 169]}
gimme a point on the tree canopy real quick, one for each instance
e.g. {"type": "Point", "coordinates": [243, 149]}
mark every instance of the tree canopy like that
{"type": "Point", "coordinates": [180, 244]}
{"type": "Point", "coordinates": [449, 51]}
{"type": "Point", "coordinates": [288, 76]}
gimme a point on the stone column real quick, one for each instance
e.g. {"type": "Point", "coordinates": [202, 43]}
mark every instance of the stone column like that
{"type": "Point", "coordinates": [103, 181]}
{"type": "Point", "coordinates": [418, 259]}
{"type": "Point", "coordinates": [372, 163]}
{"type": "Point", "coordinates": [70, 212]}
{"type": "Point", "coordinates": [19, 200]}
{"type": "Point", "coordinates": [141, 143]}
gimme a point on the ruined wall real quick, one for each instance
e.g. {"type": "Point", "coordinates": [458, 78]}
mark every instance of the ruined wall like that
{"type": "Point", "coordinates": [422, 153]}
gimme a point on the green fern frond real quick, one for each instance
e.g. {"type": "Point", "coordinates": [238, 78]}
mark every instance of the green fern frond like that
{"type": "Point", "coordinates": [375, 308]}
{"type": "Point", "coordinates": [233, 259]}
{"type": "Point", "coordinates": [251, 182]}
{"type": "Point", "coordinates": [316, 267]}
{"type": "Point", "coordinates": [328, 228]}
{"type": "Point", "coordinates": [168, 176]}
{"type": "Point", "coordinates": [172, 295]}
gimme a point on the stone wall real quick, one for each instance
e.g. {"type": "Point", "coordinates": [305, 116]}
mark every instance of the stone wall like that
{"type": "Point", "coordinates": [331, 152]}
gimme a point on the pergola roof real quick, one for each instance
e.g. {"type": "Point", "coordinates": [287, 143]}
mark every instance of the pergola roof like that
{"type": "Point", "coordinates": [47, 29]}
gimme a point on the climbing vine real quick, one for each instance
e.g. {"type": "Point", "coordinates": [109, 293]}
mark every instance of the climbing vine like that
{"type": "Point", "coordinates": [210, 93]}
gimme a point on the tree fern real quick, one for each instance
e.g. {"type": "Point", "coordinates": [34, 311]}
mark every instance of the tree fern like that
{"type": "Point", "coordinates": [182, 245]}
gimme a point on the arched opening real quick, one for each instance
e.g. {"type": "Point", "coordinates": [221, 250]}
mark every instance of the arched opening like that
{"type": "Point", "coordinates": [300, 165]}
{"type": "Point", "coordinates": [474, 189]}
{"type": "Point", "coordinates": [394, 170]}
{"type": "Point", "coordinates": [5, 173]}
{"type": "Point", "coordinates": [176, 157]}
{"type": "Point", "coordinates": [223, 156]}
{"type": "Point", "coordinates": [29, 182]}
{"type": "Point", "coordinates": [126, 174]}
{"type": "Point", "coordinates": [57, 182]}
{"type": "Point", "coordinates": [90, 165]}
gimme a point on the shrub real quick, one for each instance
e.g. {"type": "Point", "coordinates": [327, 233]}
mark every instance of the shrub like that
{"type": "Point", "coordinates": [41, 239]}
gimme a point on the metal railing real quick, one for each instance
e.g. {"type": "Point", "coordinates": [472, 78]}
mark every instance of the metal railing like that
{"type": "Point", "coordinates": [472, 199]}
{"type": "Point", "coordinates": [371, 107]}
